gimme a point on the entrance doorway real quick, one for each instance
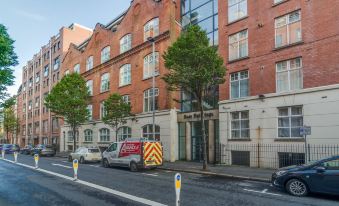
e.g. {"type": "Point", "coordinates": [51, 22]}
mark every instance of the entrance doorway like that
{"type": "Point", "coordinates": [197, 143]}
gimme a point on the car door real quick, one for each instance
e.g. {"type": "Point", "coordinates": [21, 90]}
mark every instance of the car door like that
{"type": "Point", "coordinates": [113, 154]}
{"type": "Point", "coordinates": [327, 181]}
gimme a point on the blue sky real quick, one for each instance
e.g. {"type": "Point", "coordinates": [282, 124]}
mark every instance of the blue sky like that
{"type": "Point", "coordinates": [32, 22]}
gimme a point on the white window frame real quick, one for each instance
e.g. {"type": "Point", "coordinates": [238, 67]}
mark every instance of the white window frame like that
{"type": "Point", "coordinates": [76, 68]}
{"type": "Point", "coordinates": [289, 70]}
{"type": "Point", "coordinates": [88, 135]}
{"type": "Point", "coordinates": [104, 83]}
{"type": "Point", "coordinates": [287, 24]}
{"type": "Point", "coordinates": [103, 111]}
{"type": "Point", "coordinates": [46, 71]}
{"type": "Point", "coordinates": [125, 75]}
{"type": "Point", "coordinates": [106, 134]}
{"type": "Point", "coordinates": [149, 70]}
{"type": "Point", "coordinates": [124, 133]}
{"type": "Point", "coordinates": [148, 134]}
{"type": "Point", "coordinates": [89, 63]}
{"type": "Point", "coordinates": [126, 99]}
{"type": "Point", "coordinates": [90, 111]}
{"type": "Point", "coordinates": [237, 42]}
{"type": "Point", "coordinates": [237, 4]}
{"type": "Point", "coordinates": [105, 54]}
{"type": "Point", "coordinates": [149, 97]}
{"type": "Point", "coordinates": [238, 80]}
{"type": "Point", "coordinates": [89, 85]}
{"type": "Point", "coordinates": [151, 25]}
{"type": "Point", "coordinates": [125, 43]}
{"type": "Point", "coordinates": [240, 119]}
{"type": "Point", "coordinates": [290, 121]}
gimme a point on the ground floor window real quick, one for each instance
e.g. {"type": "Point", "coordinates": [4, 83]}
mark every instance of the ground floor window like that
{"type": "Point", "coordinates": [124, 133]}
{"type": "Point", "coordinates": [147, 132]}
{"type": "Point", "coordinates": [240, 125]}
{"type": "Point", "coordinates": [104, 135]}
{"type": "Point", "coordinates": [88, 135]}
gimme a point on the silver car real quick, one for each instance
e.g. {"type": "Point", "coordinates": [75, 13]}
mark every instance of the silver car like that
{"type": "Point", "coordinates": [85, 154]}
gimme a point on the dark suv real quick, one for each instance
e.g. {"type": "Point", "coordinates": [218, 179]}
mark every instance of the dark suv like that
{"type": "Point", "coordinates": [320, 177]}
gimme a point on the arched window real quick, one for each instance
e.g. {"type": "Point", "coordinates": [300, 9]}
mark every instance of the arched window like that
{"type": "Point", "coordinates": [70, 136]}
{"type": "Point", "coordinates": [147, 132]}
{"type": "Point", "coordinates": [89, 85]}
{"type": "Point", "coordinates": [104, 135]}
{"type": "Point", "coordinates": [89, 63]}
{"type": "Point", "coordinates": [125, 75]}
{"type": "Point", "coordinates": [105, 54]}
{"type": "Point", "coordinates": [104, 85]}
{"type": "Point", "coordinates": [149, 65]}
{"type": "Point", "coordinates": [125, 43]}
{"type": "Point", "coordinates": [124, 132]}
{"type": "Point", "coordinates": [88, 135]}
{"type": "Point", "coordinates": [151, 29]}
{"type": "Point", "coordinates": [148, 99]}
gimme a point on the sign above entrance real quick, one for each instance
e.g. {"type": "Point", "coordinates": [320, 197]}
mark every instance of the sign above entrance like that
{"type": "Point", "coordinates": [195, 116]}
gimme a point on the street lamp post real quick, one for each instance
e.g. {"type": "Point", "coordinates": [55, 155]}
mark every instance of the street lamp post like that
{"type": "Point", "coordinates": [152, 40]}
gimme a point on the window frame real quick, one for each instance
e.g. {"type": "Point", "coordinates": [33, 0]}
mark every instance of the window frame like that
{"type": "Point", "coordinates": [149, 98]}
{"type": "Point", "coordinates": [125, 73]}
{"type": "Point", "coordinates": [148, 133]}
{"type": "Point", "coordinates": [88, 135]}
{"type": "Point", "coordinates": [149, 25]}
{"type": "Point", "coordinates": [239, 79]}
{"type": "Point", "coordinates": [289, 70]}
{"type": "Point", "coordinates": [105, 54]}
{"type": "Point", "coordinates": [104, 135]}
{"type": "Point", "coordinates": [148, 65]}
{"type": "Point", "coordinates": [89, 63]}
{"type": "Point", "coordinates": [237, 4]}
{"type": "Point", "coordinates": [76, 68]}
{"type": "Point", "coordinates": [89, 85]}
{"type": "Point", "coordinates": [238, 45]}
{"type": "Point", "coordinates": [105, 82]}
{"type": "Point", "coordinates": [126, 43]}
{"type": "Point", "coordinates": [240, 119]}
{"type": "Point", "coordinates": [290, 121]}
{"type": "Point", "coordinates": [123, 133]}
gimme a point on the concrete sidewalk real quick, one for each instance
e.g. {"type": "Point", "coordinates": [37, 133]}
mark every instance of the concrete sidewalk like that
{"type": "Point", "coordinates": [238, 172]}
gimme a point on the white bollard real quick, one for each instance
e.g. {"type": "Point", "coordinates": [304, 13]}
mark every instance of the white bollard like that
{"type": "Point", "coordinates": [177, 186]}
{"type": "Point", "coordinates": [3, 153]}
{"type": "Point", "coordinates": [36, 159]}
{"type": "Point", "coordinates": [75, 168]}
{"type": "Point", "coordinates": [15, 157]}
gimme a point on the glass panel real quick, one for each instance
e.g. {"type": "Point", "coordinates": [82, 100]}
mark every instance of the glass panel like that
{"type": "Point", "coordinates": [245, 124]}
{"type": "Point", "coordinates": [283, 112]}
{"type": "Point", "coordinates": [197, 3]}
{"type": "Point", "coordinates": [296, 79]}
{"type": "Point", "coordinates": [201, 13]}
{"type": "Point", "coordinates": [244, 88]}
{"type": "Point", "coordinates": [296, 121]}
{"type": "Point", "coordinates": [235, 133]}
{"type": "Point", "coordinates": [242, 9]}
{"type": "Point", "coordinates": [207, 25]}
{"type": "Point", "coordinates": [281, 36]}
{"type": "Point", "coordinates": [295, 32]}
{"type": "Point", "coordinates": [282, 81]}
{"type": "Point", "coordinates": [284, 132]}
{"type": "Point", "coordinates": [284, 122]}
{"type": "Point", "coordinates": [232, 13]}
{"type": "Point", "coordinates": [233, 51]}
{"type": "Point", "coordinates": [295, 132]}
{"type": "Point", "coordinates": [297, 111]}
{"type": "Point", "coordinates": [245, 133]}
{"type": "Point", "coordinates": [235, 89]}
{"type": "Point", "coordinates": [235, 124]}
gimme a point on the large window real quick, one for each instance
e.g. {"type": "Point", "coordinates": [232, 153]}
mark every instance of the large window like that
{"type": "Point", "coordinates": [190, 104]}
{"type": "Point", "coordinates": [149, 65]}
{"type": "Point", "coordinates": [89, 85]}
{"type": "Point", "coordinates": [289, 75]}
{"type": "Point", "coordinates": [240, 125]}
{"type": "Point", "coordinates": [70, 136]}
{"type": "Point", "coordinates": [103, 111]}
{"type": "Point", "coordinates": [148, 99]}
{"type": "Point", "coordinates": [151, 29]}
{"type": "Point", "coordinates": [88, 135]}
{"type": "Point", "coordinates": [76, 68]}
{"type": "Point", "coordinates": [124, 133]}
{"type": "Point", "coordinates": [238, 45]}
{"type": "Point", "coordinates": [104, 135]}
{"type": "Point", "coordinates": [90, 111]}
{"type": "Point", "coordinates": [288, 29]}
{"type": "Point", "coordinates": [147, 132]}
{"type": "Point", "coordinates": [125, 43]}
{"type": "Point", "coordinates": [104, 82]}
{"type": "Point", "coordinates": [239, 84]}
{"type": "Point", "coordinates": [126, 99]}
{"type": "Point", "coordinates": [237, 9]}
{"type": "Point", "coordinates": [46, 71]}
{"type": "Point", "coordinates": [290, 120]}
{"type": "Point", "coordinates": [105, 54]}
{"type": "Point", "coordinates": [56, 64]}
{"type": "Point", "coordinates": [125, 75]}
{"type": "Point", "coordinates": [89, 63]}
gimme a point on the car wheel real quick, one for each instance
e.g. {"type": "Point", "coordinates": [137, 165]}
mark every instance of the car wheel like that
{"type": "Point", "coordinates": [82, 160]}
{"type": "Point", "coordinates": [297, 187]}
{"type": "Point", "coordinates": [105, 163]}
{"type": "Point", "coordinates": [70, 158]}
{"type": "Point", "coordinates": [133, 167]}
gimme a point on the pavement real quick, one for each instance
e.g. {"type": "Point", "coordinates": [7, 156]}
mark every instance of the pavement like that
{"type": "Point", "coordinates": [237, 172]}
{"type": "Point", "coordinates": [52, 184]}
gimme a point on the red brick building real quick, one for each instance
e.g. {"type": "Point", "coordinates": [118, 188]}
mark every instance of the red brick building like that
{"type": "Point", "coordinates": [37, 124]}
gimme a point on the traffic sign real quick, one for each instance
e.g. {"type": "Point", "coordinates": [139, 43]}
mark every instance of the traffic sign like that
{"type": "Point", "coordinates": [305, 130]}
{"type": "Point", "coordinates": [75, 169]}
{"type": "Point", "coordinates": [177, 186]}
{"type": "Point", "coordinates": [36, 159]}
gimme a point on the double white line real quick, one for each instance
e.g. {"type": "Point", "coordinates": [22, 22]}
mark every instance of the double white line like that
{"type": "Point", "coordinates": [98, 187]}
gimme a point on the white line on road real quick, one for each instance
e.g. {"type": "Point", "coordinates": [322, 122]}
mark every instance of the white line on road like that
{"type": "Point", "coordinates": [59, 165]}
{"type": "Point", "coordinates": [65, 161]}
{"type": "Point", "coordinates": [263, 192]}
{"type": "Point", "coordinates": [94, 165]}
{"type": "Point", "coordinates": [154, 175]}
{"type": "Point", "coordinates": [105, 189]}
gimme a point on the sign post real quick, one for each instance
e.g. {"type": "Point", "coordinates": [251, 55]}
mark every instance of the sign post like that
{"type": "Point", "coordinates": [75, 168]}
{"type": "Point", "coordinates": [177, 186]}
{"type": "Point", "coordinates": [15, 157]}
{"type": "Point", "coordinates": [36, 159]}
{"type": "Point", "coordinates": [304, 131]}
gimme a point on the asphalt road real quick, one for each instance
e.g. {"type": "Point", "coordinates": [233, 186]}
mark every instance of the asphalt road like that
{"type": "Point", "coordinates": [20, 185]}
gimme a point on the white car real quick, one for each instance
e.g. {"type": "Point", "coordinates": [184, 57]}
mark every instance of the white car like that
{"type": "Point", "coordinates": [85, 154]}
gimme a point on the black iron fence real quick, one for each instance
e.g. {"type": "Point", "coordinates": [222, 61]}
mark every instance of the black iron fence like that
{"type": "Point", "coordinates": [272, 155]}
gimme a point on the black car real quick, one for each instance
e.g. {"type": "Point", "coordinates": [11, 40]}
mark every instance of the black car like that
{"type": "Point", "coordinates": [319, 177]}
{"type": "Point", "coordinates": [28, 149]}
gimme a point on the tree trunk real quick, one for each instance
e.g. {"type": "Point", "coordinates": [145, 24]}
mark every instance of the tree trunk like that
{"type": "Point", "coordinates": [74, 139]}
{"type": "Point", "coordinates": [203, 131]}
{"type": "Point", "coordinates": [116, 134]}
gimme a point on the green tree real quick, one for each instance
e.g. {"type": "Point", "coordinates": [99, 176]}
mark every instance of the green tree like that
{"type": "Point", "coordinates": [195, 67]}
{"type": "Point", "coordinates": [8, 59]}
{"type": "Point", "coordinates": [68, 100]}
{"type": "Point", "coordinates": [11, 122]}
{"type": "Point", "coordinates": [116, 112]}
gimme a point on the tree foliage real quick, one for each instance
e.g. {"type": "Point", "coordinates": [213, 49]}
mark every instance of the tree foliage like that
{"type": "Point", "coordinates": [69, 99]}
{"type": "Point", "coordinates": [195, 67]}
{"type": "Point", "coordinates": [11, 122]}
{"type": "Point", "coordinates": [116, 111]}
{"type": "Point", "coordinates": [8, 59]}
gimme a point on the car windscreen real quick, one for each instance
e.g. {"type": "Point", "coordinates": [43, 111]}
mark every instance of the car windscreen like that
{"type": "Point", "coordinates": [93, 150]}
{"type": "Point", "coordinates": [7, 146]}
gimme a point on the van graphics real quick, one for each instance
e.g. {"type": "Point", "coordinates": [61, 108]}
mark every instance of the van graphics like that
{"type": "Point", "coordinates": [129, 148]}
{"type": "Point", "coordinates": [152, 153]}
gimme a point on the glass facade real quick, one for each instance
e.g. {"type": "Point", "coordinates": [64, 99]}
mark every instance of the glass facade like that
{"type": "Point", "coordinates": [190, 104]}
{"type": "Point", "coordinates": [203, 13]}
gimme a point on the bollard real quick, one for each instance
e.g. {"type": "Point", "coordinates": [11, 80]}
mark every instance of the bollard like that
{"type": "Point", "coordinates": [15, 157]}
{"type": "Point", "coordinates": [36, 159]}
{"type": "Point", "coordinates": [75, 168]}
{"type": "Point", "coordinates": [177, 186]}
{"type": "Point", "coordinates": [3, 153]}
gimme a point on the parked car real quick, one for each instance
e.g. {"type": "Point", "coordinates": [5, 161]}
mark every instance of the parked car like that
{"type": "Point", "coordinates": [134, 153]}
{"type": "Point", "coordinates": [84, 154]}
{"type": "Point", "coordinates": [44, 150]}
{"type": "Point", "coordinates": [319, 177]}
{"type": "Point", "coordinates": [10, 148]}
{"type": "Point", "coordinates": [27, 150]}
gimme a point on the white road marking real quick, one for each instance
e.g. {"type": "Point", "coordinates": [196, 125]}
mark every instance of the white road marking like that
{"type": "Point", "coordinates": [263, 192]}
{"type": "Point", "coordinates": [167, 171]}
{"type": "Point", "coordinates": [94, 165]}
{"type": "Point", "coordinates": [59, 165]}
{"type": "Point", "coordinates": [65, 161]}
{"type": "Point", "coordinates": [154, 174]}
{"type": "Point", "coordinates": [98, 187]}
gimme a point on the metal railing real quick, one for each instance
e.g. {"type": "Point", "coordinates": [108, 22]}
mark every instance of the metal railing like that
{"type": "Point", "coordinates": [272, 155]}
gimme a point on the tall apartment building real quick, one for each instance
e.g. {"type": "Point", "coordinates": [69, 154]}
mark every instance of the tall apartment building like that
{"type": "Point", "coordinates": [282, 73]}
{"type": "Point", "coordinates": [42, 72]}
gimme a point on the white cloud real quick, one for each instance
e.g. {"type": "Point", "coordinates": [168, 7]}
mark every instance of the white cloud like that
{"type": "Point", "coordinates": [31, 16]}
